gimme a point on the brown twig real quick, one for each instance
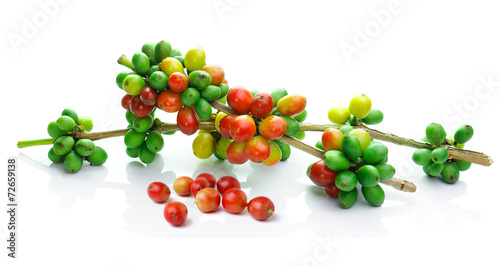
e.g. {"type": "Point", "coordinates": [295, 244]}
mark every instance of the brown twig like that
{"type": "Point", "coordinates": [399, 184]}
{"type": "Point", "coordinates": [453, 152]}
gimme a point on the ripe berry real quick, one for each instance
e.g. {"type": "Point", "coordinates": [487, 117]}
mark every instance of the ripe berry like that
{"type": "Point", "coordinates": [227, 182]}
{"type": "Point", "coordinates": [209, 177]}
{"type": "Point", "coordinates": [261, 105]}
{"type": "Point", "coordinates": [239, 99]}
{"type": "Point", "coordinates": [260, 208]}
{"type": "Point", "coordinates": [208, 199]}
{"type": "Point", "coordinates": [234, 200]}
{"type": "Point", "coordinates": [182, 185]}
{"type": "Point", "coordinates": [158, 192]}
{"type": "Point", "coordinates": [242, 128]}
{"type": "Point", "coordinates": [198, 185]}
{"type": "Point", "coordinates": [175, 213]}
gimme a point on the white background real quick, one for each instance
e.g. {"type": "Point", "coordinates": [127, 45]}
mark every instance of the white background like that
{"type": "Point", "coordinates": [423, 63]}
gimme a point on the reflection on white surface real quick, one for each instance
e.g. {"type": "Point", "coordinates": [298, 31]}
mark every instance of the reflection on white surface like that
{"type": "Point", "coordinates": [301, 208]}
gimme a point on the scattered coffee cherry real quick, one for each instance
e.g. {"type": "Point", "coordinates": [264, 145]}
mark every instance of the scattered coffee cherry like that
{"type": "Point", "coordinates": [261, 208]}
{"type": "Point", "coordinates": [182, 185]}
{"type": "Point", "coordinates": [209, 177]}
{"type": "Point", "coordinates": [227, 182]}
{"type": "Point", "coordinates": [234, 200]}
{"type": "Point", "coordinates": [175, 213]}
{"type": "Point", "coordinates": [198, 185]}
{"type": "Point", "coordinates": [158, 192]}
{"type": "Point", "coordinates": [208, 199]}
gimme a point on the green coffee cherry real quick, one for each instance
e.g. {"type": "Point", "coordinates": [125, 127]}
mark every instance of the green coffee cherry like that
{"type": "Point", "coordinates": [163, 49]}
{"type": "Point", "coordinates": [203, 109]}
{"type": "Point", "coordinates": [347, 199]}
{"type": "Point", "coordinates": [293, 127]}
{"type": "Point", "coordinates": [85, 147]}
{"type": "Point", "coordinates": [169, 133]}
{"type": "Point", "coordinates": [133, 84]}
{"type": "Point", "coordinates": [99, 156]}
{"type": "Point", "coordinates": [175, 52]}
{"type": "Point", "coordinates": [425, 168]}
{"type": "Point", "coordinates": [145, 155]}
{"type": "Point", "coordinates": [143, 124]}
{"type": "Point", "coordinates": [141, 63]}
{"type": "Point", "coordinates": [86, 122]}
{"type": "Point", "coordinates": [218, 156]}
{"type": "Point", "coordinates": [336, 160]}
{"type": "Point", "coordinates": [286, 151]}
{"type": "Point", "coordinates": [346, 181]}
{"type": "Point", "coordinates": [435, 134]}
{"type": "Point", "coordinates": [422, 157]}
{"type": "Point", "coordinates": [181, 59]}
{"type": "Point", "coordinates": [224, 89]}
{"type": "Point", "coordinates": [73, 162]}
{"type": "Point", "coordinates": [346, 129]}
{"type": "Point", "coordinates": [319, 145]}
{"type": "Point", "coordinates": [63, 145]}
{"type": "Point", "coordinates": [66, 123]}
{"type": "Point", "coordinates": [71, 113]}
{"type": "Point", "coordinates": [375, 195]}
{"type": "Point", "coordinates": [211, 93]}
{"type": "Point", "coordinates": [386, 171]}
{"type": "Point", "coordinates": [301, 117]}
{"type": "Point", "coordinates": [222, 145]}
{"type": "Point", "coordinates": [368, 175]}
{"type": "Point", "coordinates": [149, 49]}
{"type": "Point", "coordinates": [439, 155]}
{"type": "Point", "coordinates": [152, 70]}
{"type": "Point", "coordinates": [277, 94]}
{"type": "Point", "coordinates": [463, 165]}
{"type": "Point", "coordinates": [351, 147]}
{"type": "Point", "coordinates": [190, 96]}
{"type": "Point", "coordinates": [132, 152]}
{"type": "Point", "coordinates": [253, 92]}
{"type": "Point", "coordinates": [130, 117]}
{"type": "Point", "coordinates": [134, 139]}
{"type": "Point", "coordinates": [54, 157]}
{"type": "Point", "coordinates": [463, 134]}
{"type": "Point", "coordinates": [199, 79]}
{"type": "Point", "coordinates": [450, 172]}
{"type": "Point", "coordinates": [55, 131]}
{"type": "Point", "coordinates": [435, 169]}
{"type": "Point", "coordinates": [301, 135]}
{"type": "Point", "coordinates": [374, 117]}
{"type": "Point", "coordinates": [121, 76]}
{"type": "Point", "coordinates": [375, 153]}
{"type": "Point", "coordinates": [308, 171]}
{"type": "Point", "coordinates": [158, 80]}
{"type": "Point", "coordinates": [154, 141]}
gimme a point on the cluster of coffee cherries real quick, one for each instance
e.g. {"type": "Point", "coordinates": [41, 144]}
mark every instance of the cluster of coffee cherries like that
{"type": "Point", "coordinates": [67, 148]}
{"type": "Point", "coordinates": [208, 193]}
{"type": "Point", "coordinates": [161, 78]}
{"type": "Point", "coordinates": [352, 160]}
{"type": "Point", "coordinates": [435, 162]}
{"type": "Point", "coordinates": [252, 131]}
{"type": "Point", "coordinates": [142, 140]}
